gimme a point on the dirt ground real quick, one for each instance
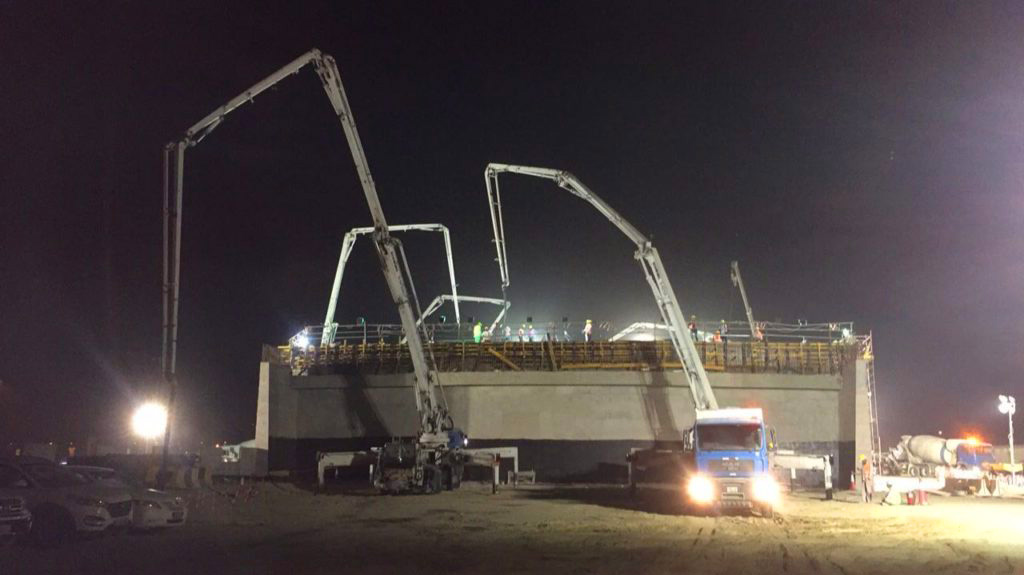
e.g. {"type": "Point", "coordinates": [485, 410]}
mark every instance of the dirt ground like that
{"type": "Point", "coordinates": [546, 529]}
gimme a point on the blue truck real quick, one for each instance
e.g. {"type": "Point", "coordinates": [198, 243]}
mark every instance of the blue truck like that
{"type": "Point", "coordinates": [732, 465]}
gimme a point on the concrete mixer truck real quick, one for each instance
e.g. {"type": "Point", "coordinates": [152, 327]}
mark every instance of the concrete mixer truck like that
{"type": "Point", "coordinates": [963, 462]}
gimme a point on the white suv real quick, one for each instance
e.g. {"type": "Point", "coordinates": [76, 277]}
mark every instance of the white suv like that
{"type": "Point", "coordinates": [63, 502]}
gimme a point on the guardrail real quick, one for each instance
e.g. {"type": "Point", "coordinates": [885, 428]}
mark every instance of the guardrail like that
{"type": "Point", "coordinates": [572, 331]}
{"type": "Point", "coordinates": [748, 356]}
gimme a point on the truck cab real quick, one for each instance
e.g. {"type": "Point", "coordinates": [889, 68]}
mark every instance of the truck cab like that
{"type": "Point", "coordinates": [974, 454]}
{"type": "Point", "coordinates": [732, 461]}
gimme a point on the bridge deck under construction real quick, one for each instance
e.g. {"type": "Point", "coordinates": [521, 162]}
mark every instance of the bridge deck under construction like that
{"type": "Point", "coordinates": [744, 356]}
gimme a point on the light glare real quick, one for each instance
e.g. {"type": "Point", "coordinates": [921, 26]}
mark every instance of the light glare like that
{"type": "Point", "coordinates": [766, 490]}
{"type": "Point", "coordinates": [150, 420]}
{"type": "Point", "coordinates": [700, 489]}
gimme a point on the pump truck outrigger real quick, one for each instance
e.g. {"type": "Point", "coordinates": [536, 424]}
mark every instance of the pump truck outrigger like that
{"type": "Point", "coordinates": [434, 458]}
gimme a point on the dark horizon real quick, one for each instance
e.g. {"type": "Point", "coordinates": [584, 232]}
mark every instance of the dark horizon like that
{"type": "Point", "coordinates": [861, 162]}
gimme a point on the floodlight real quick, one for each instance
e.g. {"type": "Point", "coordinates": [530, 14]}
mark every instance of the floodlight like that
{"type": "Point", "coordinates": [149, 420]}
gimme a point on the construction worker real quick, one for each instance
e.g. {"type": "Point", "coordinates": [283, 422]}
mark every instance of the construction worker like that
{"type": "Point", "coordinates": [522, 332]}
{"type": "Point", "coordinates": [693, 328]}
{"type": "Point", "coordinates": [478, 332]}
{"type": "Point", "coordinates": [508, 332]}
{"type": "Point", "coordinates": [724, 329]}
{"type": "Point", "coordinates": [717, 337]}
{"type": "Point", "coordinates": [867, 488]}
{"type": "Point", "coordinates": [588, 329]}
{"type": "Point", "coordinates": [532, 332]}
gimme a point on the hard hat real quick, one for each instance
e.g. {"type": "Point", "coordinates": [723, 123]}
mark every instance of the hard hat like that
{"type": "Point", "coordinates": [863, 457]}
{"type": "Point", "coordinates": [589, 321]}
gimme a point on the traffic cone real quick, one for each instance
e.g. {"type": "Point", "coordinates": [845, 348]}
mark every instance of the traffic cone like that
{"type": "Point", "coordinates": [997, 492]}
{"type": "Point", "coordinates": [853, 481]}
{"type": "Point", "coordinates": [983, 492]}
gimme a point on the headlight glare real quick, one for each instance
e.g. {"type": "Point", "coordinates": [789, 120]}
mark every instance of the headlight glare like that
{"type": "Point", "coordinates": [700, 489]}
{"type": "Point", "coordinates": [766, 490]}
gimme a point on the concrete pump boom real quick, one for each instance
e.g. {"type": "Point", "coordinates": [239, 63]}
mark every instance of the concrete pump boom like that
{"type": "Point", "coordinates": [646, 254]}
{"type": "Point", "coordinates": [439, 301]}
{"type": "Point", "coordinates": [429, 402]}
{"type": "Point", "coordinates": [331, 328]}
{"type": "Point", "coordinates": [737, 280]}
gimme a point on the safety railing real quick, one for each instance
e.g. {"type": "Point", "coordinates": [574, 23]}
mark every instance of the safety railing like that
{"type": "Point", "coordinates": [462, 356]}
{"type": "Point", "coordinates": [573, 332]}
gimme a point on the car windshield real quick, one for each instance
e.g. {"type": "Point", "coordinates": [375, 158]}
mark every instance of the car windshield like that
{"type": "Point", "coordinates": [728, 437]}
{"type": "Point", "coordinates": [53, 476]}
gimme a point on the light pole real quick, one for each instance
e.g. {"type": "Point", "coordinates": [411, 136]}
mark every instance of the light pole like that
{"type": "Point", "coordinates": [1008, 405]}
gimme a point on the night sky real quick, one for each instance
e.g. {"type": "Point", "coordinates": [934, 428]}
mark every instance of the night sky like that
{"type": "Point", "coordinates": [864, 163]}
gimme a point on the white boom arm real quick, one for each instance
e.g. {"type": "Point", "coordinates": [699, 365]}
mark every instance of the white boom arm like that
{"type": "Point", "coordinates": [433, 412]}
{"type": "Point", "coordinates": [737, 280]}
{"type": "Point", "coordinates": [637, 326]}
{"type": "Point", "coordinates": [646, 254]}
{"type": "Point", "coordinates": [331, 328]}
{"type": "Point", "coordinates": [439, 301]}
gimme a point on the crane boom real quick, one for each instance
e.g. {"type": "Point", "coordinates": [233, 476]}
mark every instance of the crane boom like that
{"type": "Point", "coordinates": [737, 280]}
{"type": "Point", "coordinates": [433, 412]}
{"type": "Point", "coordinates": [646, 254]}
{"type": "Point", "coordinates": [330, 328]}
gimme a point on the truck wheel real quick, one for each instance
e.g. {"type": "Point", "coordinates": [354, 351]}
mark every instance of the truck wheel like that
{"type": "Point", "coordinates": [52, 526]}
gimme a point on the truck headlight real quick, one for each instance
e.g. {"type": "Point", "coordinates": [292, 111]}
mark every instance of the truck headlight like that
{"type": "Point", "coordinates": [700, 489]}
{"type": "Point", "coordinates": [766, 490]}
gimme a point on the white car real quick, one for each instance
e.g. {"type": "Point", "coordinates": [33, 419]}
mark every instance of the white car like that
{"type": "Point", "coordinates": [150, 508]}
{"type": "Point", "coordinates": [62, 502]}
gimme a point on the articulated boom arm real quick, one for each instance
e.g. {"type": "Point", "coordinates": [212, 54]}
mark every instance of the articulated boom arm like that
{"type": "Point", "coordinates": [330, 328]}
{"type": "Point", "coordinates": [737, 280]}
{"type": "Point", "coordinates": [439, 301]}
{"type": "Point", "coordinates": [646, 254]}
{"type": "Point", "coordinates": [433, 413]}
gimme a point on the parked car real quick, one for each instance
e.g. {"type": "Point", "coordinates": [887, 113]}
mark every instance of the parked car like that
{"type": "Point", "coordinates": [15, 519]}
{"type": "Point", "coordinates": [63, 502]}
{"type": "Point", "coordinates": [151, 508]}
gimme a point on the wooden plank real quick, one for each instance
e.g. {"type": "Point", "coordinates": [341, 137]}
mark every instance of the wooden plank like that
{"type": "Point", "coordinates": [503, 359]}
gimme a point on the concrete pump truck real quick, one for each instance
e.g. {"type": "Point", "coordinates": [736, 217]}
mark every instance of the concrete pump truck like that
{"type": "Point", "coordinates": [432, 460]}
{"type": "Point", "coordinates": [728, 458]}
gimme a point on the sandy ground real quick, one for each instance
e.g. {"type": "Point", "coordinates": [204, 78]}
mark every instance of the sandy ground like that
{"type": "Point", "coordinates": [547, 529]}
